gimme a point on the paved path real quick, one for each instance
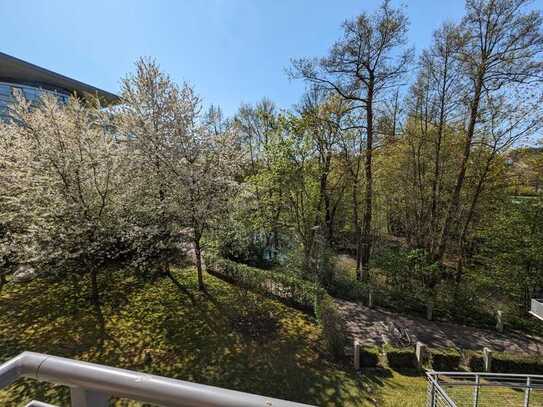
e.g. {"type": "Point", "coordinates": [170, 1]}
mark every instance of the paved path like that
{"type": "Point", "coordinates": [376, 326]}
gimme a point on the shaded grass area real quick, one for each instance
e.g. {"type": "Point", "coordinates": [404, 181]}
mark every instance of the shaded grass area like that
{"type": "Point", "coordinates": [228, 338]}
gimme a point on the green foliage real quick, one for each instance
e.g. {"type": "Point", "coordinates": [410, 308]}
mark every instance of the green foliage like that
{"type": "Point", "coordinates": [351, 290]}
{"type": "Point", "coordinates": [369, 356]}
{"type": "Point", "coordinates": [512, 250]}
{"type": "Point", "coordinates": [475, 361]}
{"type": "Point", "coordinates": [284, 286]}
{"type": "Point", "coordinates": [514, 363]}
{"type": "Point", "coordinates": [401, 358]}
{"type": "Point", "coordinates": [333, 327]}
{"type": "Point", "coordinates": [505, 362]}
{"type": "Point", "coordinates": [445, 360]}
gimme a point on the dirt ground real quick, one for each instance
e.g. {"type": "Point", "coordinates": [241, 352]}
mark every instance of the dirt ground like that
{"type": "Point", "coordinates": [376, 326]}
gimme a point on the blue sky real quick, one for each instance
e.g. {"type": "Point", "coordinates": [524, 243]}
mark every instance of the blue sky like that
{"type": "Point", "coordinates": [232, 51]}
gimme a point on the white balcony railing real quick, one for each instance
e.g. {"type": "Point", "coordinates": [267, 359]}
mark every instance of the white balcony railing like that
{"type": "Point", "coordinates": [92, 385]}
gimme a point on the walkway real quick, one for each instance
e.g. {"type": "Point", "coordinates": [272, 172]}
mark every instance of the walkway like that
{"type": "Point", "coordinates": [377, 326]}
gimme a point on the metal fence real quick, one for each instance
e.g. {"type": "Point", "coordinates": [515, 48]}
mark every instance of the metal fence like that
{"type": "Point", "coordinates": [462, 389]}
{"type": "Point", "coordinates": [92, 385]}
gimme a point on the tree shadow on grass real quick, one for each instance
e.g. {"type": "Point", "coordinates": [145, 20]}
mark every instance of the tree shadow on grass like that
{"type": "Point", "coordinates": [286, 363]}
{"type": "Point", "coordinates": [50, 316]}
{"type": "Point", "coordinates": [190, 336]}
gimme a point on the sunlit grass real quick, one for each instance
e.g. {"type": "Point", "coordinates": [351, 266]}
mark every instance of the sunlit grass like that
{"type": "Point", "coordinates": [204, 338]}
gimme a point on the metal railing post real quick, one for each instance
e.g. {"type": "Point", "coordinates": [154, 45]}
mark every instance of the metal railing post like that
{"type": "Point", "coordinates": [527, 392]}
{"type": "Point", "coordinates": [476, 390]}
{"type": "Point", "coordinates": [432, 394]}
{"type": "Point", "coordinates": [81, 397]}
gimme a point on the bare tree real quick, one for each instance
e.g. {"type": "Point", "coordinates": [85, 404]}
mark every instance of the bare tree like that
{"type": "Point", "coordinates": [501, 49]}
{"type": "Point", "coordinates": [369, 60]}
{"type": "Point", "coordinates": [323, 115]}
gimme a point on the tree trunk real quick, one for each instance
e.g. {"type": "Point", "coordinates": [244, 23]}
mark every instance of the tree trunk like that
{"type": "Point", "coordinates": [366, 226]}
{"type": "Point", "coordinates": [356, 228]}
{"type": "Point", "coordinates": [455, 200]}
{"type": "Point", "coordinates": [198, 255]}
{"type": "Point", "coordinates": [95, 300]}
{"type": "Point", "coordinates": [471, 211]}
{"type": "Point", "coordinates": [437, 161]}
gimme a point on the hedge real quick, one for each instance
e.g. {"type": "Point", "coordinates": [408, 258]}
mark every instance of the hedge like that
{"type": "Point", "coordinates": [333, 329]}
{"type": "Point", "coordinates": [511, 363]}
{"type": "Point", "coordinates": [350, 290]}
{"type": "Point", "coordinates": [475, 362]}
{"type": "Point", "coordinates": [401, 358]}
{"type": "Point", "coordinates": [288, 288]}
{"type": "Point", "coordinates": [445, 360]}
{"type": "Point", "coordinates": [369, 357]}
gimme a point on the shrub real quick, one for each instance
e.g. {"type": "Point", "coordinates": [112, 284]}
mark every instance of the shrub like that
{"type": "Point", "coordinates": [350, 290]}
{"type": "Point", "coordinates": [511, 363]}
{"type": "Point", "coordinates": [369, 357]}
{"type": "Point", "coordinates": [333, 327]}
{"type": "Point", "coordinates": [289, 288]}
{"type": "Point", "coordinates": [401, 358]}
{"type": "Point", "coordinates": [475, 362]}
{"type": "Point", "coordinates": [445, 359]}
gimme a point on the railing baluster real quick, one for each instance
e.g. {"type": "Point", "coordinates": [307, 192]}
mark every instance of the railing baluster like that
{"type": "Point", "coordinates": [476, 391]}
{"type": "Point", "coordinates": [527, 392]}
{"type": "Point", "coordinates": [431, 394]}
{"type": "Point", "coordinates": [81, 397]}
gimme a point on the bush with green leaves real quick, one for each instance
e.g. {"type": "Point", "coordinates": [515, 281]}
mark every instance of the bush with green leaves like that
{"type": "Point", "coordinates": [401, 358]}
{"type": "Point", "coordinates": [445, 360]}
{"type": "Point", "coordinates": [475, 361]}
{"type": "Point", "coordinates": [350, 290]}
{"type": "Point", "coordinates": [515, 363]}
{"type": "Point", "coordinates": [289, 288]}
{"type": "Point", "coordinates": [369, 357]}
{"type": "Point", "coordinates": [333, 326]}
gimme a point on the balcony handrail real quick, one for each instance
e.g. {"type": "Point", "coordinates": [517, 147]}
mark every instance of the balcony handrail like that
{"type": "Point", "coordinates": [103, 381]}
{"type": "Point", "coordinates": [484, 374]}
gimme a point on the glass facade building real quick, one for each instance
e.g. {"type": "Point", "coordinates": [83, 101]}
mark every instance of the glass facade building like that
{"type": "Point", "coordinates": [31, 93]}
{"type": "Point", "coordinates": [32, 81]}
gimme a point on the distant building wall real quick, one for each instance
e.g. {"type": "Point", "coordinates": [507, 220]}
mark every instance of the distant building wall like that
{"type": "Point", "coordinates": [31, 93]}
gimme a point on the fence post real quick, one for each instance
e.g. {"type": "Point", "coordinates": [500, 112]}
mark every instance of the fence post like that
{"type": "Point", "coordinates": [87, 398]}
{"type": "Point", "coordinates": [487, 357]}
{"type": "Point", "coordinates": [527, 392]}
{"type": "Point", "coordinates": [356, 355]}
{"type": "Point", "coordinates": [370, 298]}
{"type": "Point", "coordinates": [421, 352]}
{"type": "Point", "coordinates": [476, 390]}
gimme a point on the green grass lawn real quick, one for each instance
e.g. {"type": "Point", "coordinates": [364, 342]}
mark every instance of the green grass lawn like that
{"type": "Point", "coordinates": [228, 338]}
